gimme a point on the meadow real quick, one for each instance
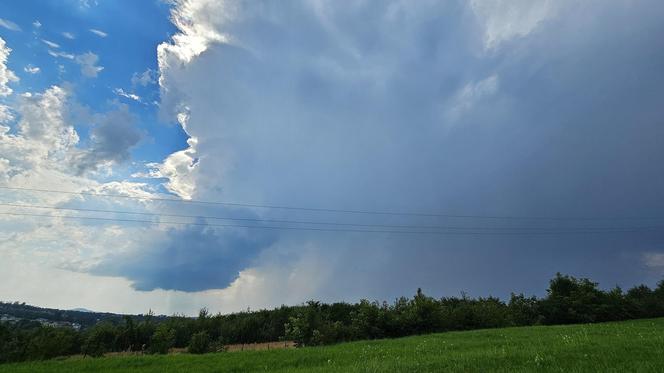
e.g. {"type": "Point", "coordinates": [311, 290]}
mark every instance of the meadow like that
{"type": "Point", "coordinates": [626, 346]}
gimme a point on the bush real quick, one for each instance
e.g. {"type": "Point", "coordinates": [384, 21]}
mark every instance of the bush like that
{"type": "Point", "coordinates": [523, 311]}
{"type": "Point", "coordinates": [49, 342]}
{"type": "Point", "coordinates": [200, 343]}
{"type": "Point", "coordinates": [100, 339]}
{"type": "Point", "coordinates": [571, 300]}
{"type": "Point", "coordinates": [162, 340]}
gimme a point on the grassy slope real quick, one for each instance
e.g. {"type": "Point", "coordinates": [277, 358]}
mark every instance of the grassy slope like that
{"type": "Point", "coordinates": [619, 347]}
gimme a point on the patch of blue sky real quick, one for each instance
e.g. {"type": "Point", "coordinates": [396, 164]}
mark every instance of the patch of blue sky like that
{"type": "Point", "coordinates": [53, 32]}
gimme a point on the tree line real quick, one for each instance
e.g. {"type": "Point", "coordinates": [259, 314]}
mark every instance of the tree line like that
{"type": "Point", "coordinates": [568, 300]}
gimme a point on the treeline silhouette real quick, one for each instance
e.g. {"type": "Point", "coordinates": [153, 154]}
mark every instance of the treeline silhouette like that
{"type": "Point", "coordinates": [83, 318]}
{"type": "Point", "coordinates": [568, 300]}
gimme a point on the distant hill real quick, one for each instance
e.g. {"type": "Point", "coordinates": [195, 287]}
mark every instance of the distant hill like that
{"type": "Point", "coordinates": [81, 310]}
{"type": "Point", "coordinates": [84, 317]}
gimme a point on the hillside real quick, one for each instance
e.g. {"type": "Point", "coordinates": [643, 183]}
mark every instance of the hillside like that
{"type": "Point", "coordinates": [606, 347]}
{"type": "Point", "coordinates": [79, 317]}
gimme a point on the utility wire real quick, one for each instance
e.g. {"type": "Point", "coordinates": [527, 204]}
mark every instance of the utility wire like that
{"type": "Point", "coordinates": [450, 232]}
{"type": "Point", "coordinates": [227, 203]}
{"type": "Point", "coordinates": [306, 222]}
{"type": "Point", "coordinates": [366, 212]}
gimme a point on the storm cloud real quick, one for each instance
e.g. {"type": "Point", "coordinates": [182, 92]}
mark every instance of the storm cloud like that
{"type": "Point", "coordinates": [192, 258]}
{"type": "Point", "coordinates": [437, 107]}
{"type": "Point", "coordinates": [520, 115]}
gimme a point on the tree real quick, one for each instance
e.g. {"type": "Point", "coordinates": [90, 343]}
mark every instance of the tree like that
{"type": "Point", "coordinates": [162, 340]}
{"type": "Point", "coordinates": [144, 331]}
{"type": "Point", "coordinates": [200, 343]}
{"type": "Point", "coordinates": [366, 321]}
{"type": "Point", "coordinates": [100, 339]}
{"type": "Point", "coordinates": [183, 327]}
{"type": "Point", "coordinates": [425, 313]}
{"type": "Point", "coordinates": [304, 328]}
{"type": "Point", "coordinates": [128, 335]}
{"type": "Point", "coordinates": [49, 342]}
{"type": "Point", "coordinates": [523, 311]}
{"type": "Point", "coordinates": [571, 300]}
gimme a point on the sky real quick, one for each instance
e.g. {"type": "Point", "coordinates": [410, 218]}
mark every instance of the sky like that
{"type": "Point", "coordinates": [356, 150]}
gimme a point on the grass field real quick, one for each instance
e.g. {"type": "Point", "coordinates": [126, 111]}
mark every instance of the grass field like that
{"type": "Point", "coordinates": [609, 347]}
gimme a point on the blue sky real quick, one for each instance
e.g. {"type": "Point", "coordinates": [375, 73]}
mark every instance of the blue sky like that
{"type": "Point", "coordinates": [518, 115]}
{"type": "Point", "coordinates": [126, 51]}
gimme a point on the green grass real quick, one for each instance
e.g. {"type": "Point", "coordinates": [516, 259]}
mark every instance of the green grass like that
{"type": "Point", "coordinates": [610, 347]}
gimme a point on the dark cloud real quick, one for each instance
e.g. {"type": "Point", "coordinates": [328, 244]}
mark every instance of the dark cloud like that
{"type": "Point", "coordinates": [375, 108]}
{"type": "Point", "coordinates": [110, 140]}
{"type": "Point", "coordinates": [189, 259]}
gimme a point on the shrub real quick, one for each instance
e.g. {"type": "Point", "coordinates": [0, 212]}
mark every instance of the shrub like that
{"type": "Point", "coordinates": [162, 340]}
{"type": "Point", "coordinates": [200, 343]}
{"type": "Point", "coordinates": [100, 339]}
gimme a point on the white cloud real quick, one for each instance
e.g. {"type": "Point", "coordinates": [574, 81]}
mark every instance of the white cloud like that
{"type": "Point", "coordinates": [88, 62]}
{"type": "Point", "coordinates": [43, 151]}
{"type": "Point", "coordinates": [179, 169]}
{"type": "Point", "coordinates": [66, 55]}
{"type": "Point", "coordinates": [50, 43]}
{"type": "Point", "coordinates": [87, 3]}
{"type": "Point", "coordinates": [196, 31]}
{"type": "Point", "coordinates": [6, 76]}
{"type": "Point", "coordinates": [68, 35]}
{"type": "Point", "coordinates": [507, 19]}
{"type": "Point", "coordinates": [6, 116]}
{"type": "Point", "coordinates": [98, 33]}
{"type": "Point", "coordinates": [468, 96]}
{"type": "Point", "coordinates": [125, 188]}
{"type": "Point", "coordinates": [149, 76]}
{"type": "Point", "coordinates": [43, 122]}
{"type": "Point", "coordinates": [46, 140]}
{"type": "Point", "coordinates": [9, 25]}
{"type": "Point", "coordinates": [31, 69]}
{"type": "Point", "coordinates": [121, 92]}
{"type": "Point", "coordinates": [36, 24]}
{"type": "Point", "coordinates": [39, 151]}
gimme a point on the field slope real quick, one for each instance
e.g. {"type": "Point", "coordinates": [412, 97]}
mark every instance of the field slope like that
{"type": "Point", "coordinates": [609, 347]}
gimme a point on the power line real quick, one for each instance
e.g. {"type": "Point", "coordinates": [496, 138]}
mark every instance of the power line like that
{"type": "Point", "coordinates": [450, 232]}
{"type": "Point", "coordinates": [366, 212]}
{"type": "Point", "coordinates": [307, 222]}
{"type": "Point", "coordinates": [228, 203]}
{"type": "Point", "coordinates": [225, 218]}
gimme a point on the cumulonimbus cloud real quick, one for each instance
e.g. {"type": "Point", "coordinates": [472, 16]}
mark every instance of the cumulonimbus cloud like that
{"type": "Point", "coordinates": [429, 106]}
{"type": "Point", "coordinates": [456, 111]}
